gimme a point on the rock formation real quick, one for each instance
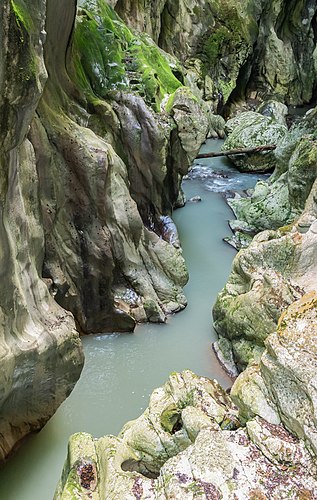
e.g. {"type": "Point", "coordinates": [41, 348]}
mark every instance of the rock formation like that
{"type": "Point", "coordinates": [189, 442]}
{"type": "Point", "coordinates": [98, 126]}
{"type": "Point", "coordinates": [235, 50]}
{"type": "Point", "coordinates": [249, 130]}
{"type": "Point", "coordinates": [91, 166]}
{"type": "Point", "coordinates": [279, 265]}
{"type": "Point", "coordinates": [41, 356]}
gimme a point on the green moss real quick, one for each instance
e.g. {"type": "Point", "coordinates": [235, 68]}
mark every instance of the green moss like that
{"type": "Point", "coordinates": [22, 16]}
{"type": "Point", "coordinates": [226, 88]}
{"type": "Point", "coordinates": [184, 91]}
{"type": "Point", "coordinates": [107, 56]}
{"type": "Point", "coordinates": [285, 229]}
{"type": "Point", "coordinates": [188, 400]}
{"type": "Point", "coordinates": [213, 46]}
{"type": "Point", "coordinates": [170, 418]}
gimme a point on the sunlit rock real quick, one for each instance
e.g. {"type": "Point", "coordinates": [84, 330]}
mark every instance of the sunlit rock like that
{"type": "Point", "coordinates": [189, 442]}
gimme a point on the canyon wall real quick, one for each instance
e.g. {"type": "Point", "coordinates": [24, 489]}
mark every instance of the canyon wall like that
{"type": "Point", "coordinates": [91, 170]}
{"type": "Point", "coordinates": [235, 50]}
{"type": "Point", "coordinates": [98, 126]}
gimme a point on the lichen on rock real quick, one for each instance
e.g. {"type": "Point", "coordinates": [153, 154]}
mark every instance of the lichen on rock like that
{"type": "Point", "coordinates": [180, 448]}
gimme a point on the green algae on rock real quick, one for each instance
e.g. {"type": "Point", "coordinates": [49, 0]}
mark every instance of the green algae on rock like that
{"type": "Point", "coordinates": [108, 56]}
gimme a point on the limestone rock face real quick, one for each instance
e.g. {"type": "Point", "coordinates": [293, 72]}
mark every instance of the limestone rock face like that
{"type": "Point", "coordinates": [41, 356]}
{"type": "Point", "coordinates": [189, 443]}
{"type": "Point", "coordinates": [91, 168]}
{"type": "Point", "coordinates": [235, 50]}
{"type": "Point", "coordinates": [249, 130]}
{"type": "Point", "coordinates": [276, 269]}
{"type": "Point", "coordinates": [110, 165]}
{"type": "Point", "coordinates": [290, 190]}
{"type": "Point", "coordinates": [286, 375]}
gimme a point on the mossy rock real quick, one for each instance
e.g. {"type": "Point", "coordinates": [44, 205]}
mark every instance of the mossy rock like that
{"type": "Point", "coordinates": [251, 130]}
{"type": "Point", "coordinates": [107, 56]}
{"type": "Point", "coordinates": [171, 419]}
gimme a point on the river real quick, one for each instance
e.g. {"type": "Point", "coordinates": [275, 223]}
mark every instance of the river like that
{"type": "Point", "coordinates": [121, 370]}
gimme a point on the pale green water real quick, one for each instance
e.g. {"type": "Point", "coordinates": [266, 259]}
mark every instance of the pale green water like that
{"type": "Point", "coordinates": [122, 370]}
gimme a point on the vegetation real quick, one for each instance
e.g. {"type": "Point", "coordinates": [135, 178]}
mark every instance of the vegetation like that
{"type": "Point", "coordinates": [108, 56]}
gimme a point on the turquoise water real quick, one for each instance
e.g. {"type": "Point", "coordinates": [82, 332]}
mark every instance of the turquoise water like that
{"type": "Point", "coordinates": [121, 370]}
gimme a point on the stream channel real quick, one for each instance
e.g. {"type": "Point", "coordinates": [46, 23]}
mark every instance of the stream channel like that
{"type": "Point", "coordinates": [121, 370]}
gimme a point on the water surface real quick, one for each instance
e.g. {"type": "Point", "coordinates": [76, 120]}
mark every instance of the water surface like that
{"type": "Point", "coordinates": [121, 370]}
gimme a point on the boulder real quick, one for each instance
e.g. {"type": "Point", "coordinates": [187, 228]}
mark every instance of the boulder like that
{"type": "Point", "coordinates": [280, 200]}
{"type": "Point", "coordinates": [274, 109]}
{"type": "Point", "coordinates": [249, 130]}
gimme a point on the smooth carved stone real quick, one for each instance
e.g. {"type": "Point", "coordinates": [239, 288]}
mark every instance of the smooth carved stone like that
{"type": "Point", "coordinates": [40, 352]}
{"type": "Point", "coordinates": [189, 442]}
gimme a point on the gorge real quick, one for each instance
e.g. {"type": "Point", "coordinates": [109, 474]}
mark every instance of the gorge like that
{"type": "Point", "coordinates": [104, 106]}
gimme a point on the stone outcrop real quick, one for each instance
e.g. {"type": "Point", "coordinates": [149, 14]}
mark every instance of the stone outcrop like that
{"type": "Point", "coordinates": [91, 169]}
{"type": "Point", "coordinates": [276, 269]}
{"type": "Point", "coordinates": [189, 443]}
{"type": "Point", "coordinates": [250, 130]}
{"type": "Point", "coordinates": [286, 375]}
{"type": "Point", "coordinates": [110, 161]}
{"type": "Point", "coordinates": [289, 191]}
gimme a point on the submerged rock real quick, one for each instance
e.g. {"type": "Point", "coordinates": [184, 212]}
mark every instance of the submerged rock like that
{"type": "Point", "coordinates": [189, 442]}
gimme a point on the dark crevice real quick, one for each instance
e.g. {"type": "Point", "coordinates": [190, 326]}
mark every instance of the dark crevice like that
{"type": "Point", "coordinates": [132, 465]}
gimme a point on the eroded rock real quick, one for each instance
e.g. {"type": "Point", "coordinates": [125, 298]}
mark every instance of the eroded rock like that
{"type": "Point", "coordinates": [249, 130]}
{"type": "Point", "coordinates": [188, 443]}
{"type": "Point", "coordinates": [276, 269]}
{"type": "Point", "coordinates": [286, 375]}
{"type": "Point", "coordinates": [41, 355]}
